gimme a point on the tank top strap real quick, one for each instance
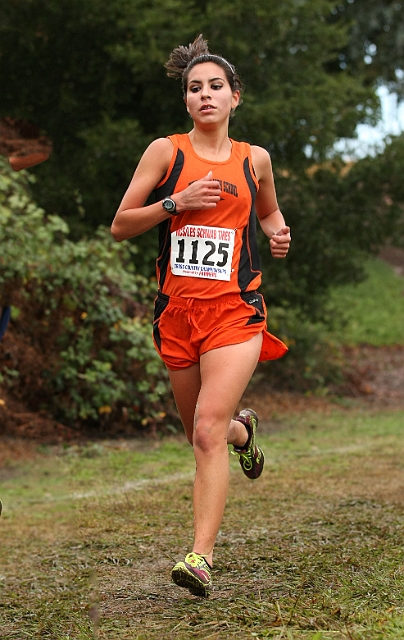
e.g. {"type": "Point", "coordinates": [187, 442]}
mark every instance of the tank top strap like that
{"type": "Point", "coordinates": [181, 141]}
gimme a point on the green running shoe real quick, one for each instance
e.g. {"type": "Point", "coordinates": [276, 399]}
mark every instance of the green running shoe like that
{"type": "Point", "coordinates": [193, 574]}
{"type": "Point", "coordinates": [251, 457]}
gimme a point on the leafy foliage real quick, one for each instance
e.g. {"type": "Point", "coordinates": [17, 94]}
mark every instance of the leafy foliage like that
{"type": "Point", "coordinates": [82, 317]}
{"type": "Point", "coordinates": [91, 73]}
{"type": "Point", "coordinates": [294, 98]}
{"type": "Point", "coordinates": [376, 44]}
{"type": "Point", "coordinates": [338, 214]}
{"type": "Point", "coordinates": [88, 72]}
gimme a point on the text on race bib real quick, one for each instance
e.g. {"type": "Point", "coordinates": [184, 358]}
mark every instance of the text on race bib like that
{"type": "Point", "coordinates": [202, 252]}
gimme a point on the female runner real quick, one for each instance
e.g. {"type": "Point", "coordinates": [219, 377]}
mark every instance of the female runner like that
{"type": "Point", "coordinates": [210, 321]}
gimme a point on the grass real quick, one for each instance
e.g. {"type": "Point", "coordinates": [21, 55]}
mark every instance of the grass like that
{"type": "Point", "coordinates": [311, 551]}
{"type": "Point", "coordinates": [90, 532]}
{"type": "Point", "coordinates": [373, 309]}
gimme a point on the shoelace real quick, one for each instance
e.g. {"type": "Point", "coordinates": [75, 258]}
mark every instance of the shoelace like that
{"type": "Point", "coordinates": [245, 457]}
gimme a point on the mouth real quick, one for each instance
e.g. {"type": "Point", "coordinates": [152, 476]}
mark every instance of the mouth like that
{"type": "Point", "coordinates": [206, 107]}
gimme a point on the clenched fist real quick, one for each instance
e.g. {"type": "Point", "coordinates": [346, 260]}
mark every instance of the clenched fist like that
{"type": "Point", "coordinates": [201, 194]}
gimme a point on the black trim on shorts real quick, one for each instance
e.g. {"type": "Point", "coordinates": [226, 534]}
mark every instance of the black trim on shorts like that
{"type": "Point", "coordinates": [256, 300]}
{"type": "Point", "coordinates": [160, 305]}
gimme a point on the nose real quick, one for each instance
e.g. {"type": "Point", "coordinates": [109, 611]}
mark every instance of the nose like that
{"type": "Point", "coordinates": [205, 93]}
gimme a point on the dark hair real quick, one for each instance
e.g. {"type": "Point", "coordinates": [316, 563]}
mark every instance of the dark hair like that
{"type": "Point", "coordinates": [183, 59]}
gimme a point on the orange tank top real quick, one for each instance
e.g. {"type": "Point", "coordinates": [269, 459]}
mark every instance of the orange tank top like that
{"type": "Point", "coordinates": [207, 253]}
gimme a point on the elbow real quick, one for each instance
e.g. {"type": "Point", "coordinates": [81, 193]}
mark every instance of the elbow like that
{"type": "Point", "coordinates": [115, 233]}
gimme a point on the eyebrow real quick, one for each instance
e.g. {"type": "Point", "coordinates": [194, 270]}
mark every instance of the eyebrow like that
{"type": "Point", "coordinates": [210, 80]}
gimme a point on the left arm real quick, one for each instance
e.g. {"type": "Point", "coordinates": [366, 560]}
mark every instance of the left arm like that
{"type": "Point", "coordinates": [270, 217]}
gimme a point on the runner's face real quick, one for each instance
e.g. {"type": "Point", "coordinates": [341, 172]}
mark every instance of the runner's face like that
{"type": "Point", "coordinates": [209, 97]}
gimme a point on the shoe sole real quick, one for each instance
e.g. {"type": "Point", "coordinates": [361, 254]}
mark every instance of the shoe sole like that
{"type": "Point", "coordinates": [184, 578]}
{"type": "Point", "coordinates": [243, 417]}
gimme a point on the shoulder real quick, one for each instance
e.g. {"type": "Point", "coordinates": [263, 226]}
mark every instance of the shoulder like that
{"type": "Point", "coordinates": [160, 148]}
{"type": "Point", "coordinates": [157, 158]}
{"type": "Point", "coordinates": [261, 162]}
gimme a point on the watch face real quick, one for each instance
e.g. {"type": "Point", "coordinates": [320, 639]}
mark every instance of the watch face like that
{"type": "Point", "coordinates": [169, 205]}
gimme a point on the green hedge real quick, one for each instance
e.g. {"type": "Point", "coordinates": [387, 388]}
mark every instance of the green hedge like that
{"type": "Point", "coordinates": [79, 345]}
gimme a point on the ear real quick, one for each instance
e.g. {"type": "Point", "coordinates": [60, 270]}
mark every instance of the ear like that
{"type": "Point", "coordinates": [185, 100]}
{"type": "Point", "coordinates": [235, 99]}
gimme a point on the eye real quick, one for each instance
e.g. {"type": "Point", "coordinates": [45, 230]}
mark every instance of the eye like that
{"type": "Point", "coordinates": [194, 89]}
{"type": "Point", "coordinates": [216, 87]}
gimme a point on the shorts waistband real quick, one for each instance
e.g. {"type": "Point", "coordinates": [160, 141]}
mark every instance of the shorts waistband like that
{"type": "Point", "coordinates": [204, 302]}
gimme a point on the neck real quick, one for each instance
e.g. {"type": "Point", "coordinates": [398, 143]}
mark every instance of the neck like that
{"type": "Point", "coordinates": [212, 145]}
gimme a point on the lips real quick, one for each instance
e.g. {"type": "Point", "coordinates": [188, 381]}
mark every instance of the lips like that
{"type": "Point", "coordinates": [207, 107]}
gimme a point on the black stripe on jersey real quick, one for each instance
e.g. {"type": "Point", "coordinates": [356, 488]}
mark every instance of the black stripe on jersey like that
{"type": "Point", "coordinates": [250, 264]}
{"type": "Point", "coordinates": [167, 189]}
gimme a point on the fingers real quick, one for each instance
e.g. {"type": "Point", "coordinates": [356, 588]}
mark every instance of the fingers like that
{"type": "Point", "coordinates": [202, 194]}
{"type": "Point", "coordinates": [280, 243]}
{"type": "Point", "coordinates": [283, 232]}
{"type": "Point", "coordinates": [213, 192]}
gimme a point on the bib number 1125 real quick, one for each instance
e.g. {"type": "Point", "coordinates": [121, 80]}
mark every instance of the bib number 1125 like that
{"type": "Point", "coordinates": [202, 252]}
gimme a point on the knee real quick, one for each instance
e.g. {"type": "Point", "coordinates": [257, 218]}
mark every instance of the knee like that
{"type": "Point", "coordinates": [202, 440]}
{"type": "Point", "coordinates": [209, 436]}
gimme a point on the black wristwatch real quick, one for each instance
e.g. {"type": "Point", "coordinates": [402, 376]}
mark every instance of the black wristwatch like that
{"type": "Point", "coordinates": [170, 206]}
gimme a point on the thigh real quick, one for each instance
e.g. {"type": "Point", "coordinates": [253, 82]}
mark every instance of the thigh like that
{"type": "Point", "coordinates": [186, 385]}
{"type": "Point", "coordinates": [225, 373]}
{"type": "Point", "coordinates": [216, 384]}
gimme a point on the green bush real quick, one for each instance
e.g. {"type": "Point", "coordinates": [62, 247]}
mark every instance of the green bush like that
{"type": "Point", "coordinates": [314, 362]}
{"type": "Point", "coordinates": [79, 345]}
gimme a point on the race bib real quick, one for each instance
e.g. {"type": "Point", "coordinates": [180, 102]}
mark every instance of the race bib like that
{"type": "Point", "coordinates": [202, 252]}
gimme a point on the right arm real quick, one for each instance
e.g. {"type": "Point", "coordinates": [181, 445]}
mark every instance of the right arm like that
{"type": "Point", "coordinates": [133, 218]}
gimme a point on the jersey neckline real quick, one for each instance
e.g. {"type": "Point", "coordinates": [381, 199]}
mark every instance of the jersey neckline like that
{"type": "Point", "coordinates": [213, 162]}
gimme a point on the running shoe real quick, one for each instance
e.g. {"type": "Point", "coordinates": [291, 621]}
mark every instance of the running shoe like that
{"type": "Point", "coordinates": [194, 574]}
{"type": "Point", "coordinates": [251, 456]}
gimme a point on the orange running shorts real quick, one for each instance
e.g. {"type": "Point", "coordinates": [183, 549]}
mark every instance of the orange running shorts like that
{"type": "Point", "coordinates": [184, 329]}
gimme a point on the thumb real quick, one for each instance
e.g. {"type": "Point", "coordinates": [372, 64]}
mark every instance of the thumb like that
{"type": "Point", "coordinates": [208, 176]}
